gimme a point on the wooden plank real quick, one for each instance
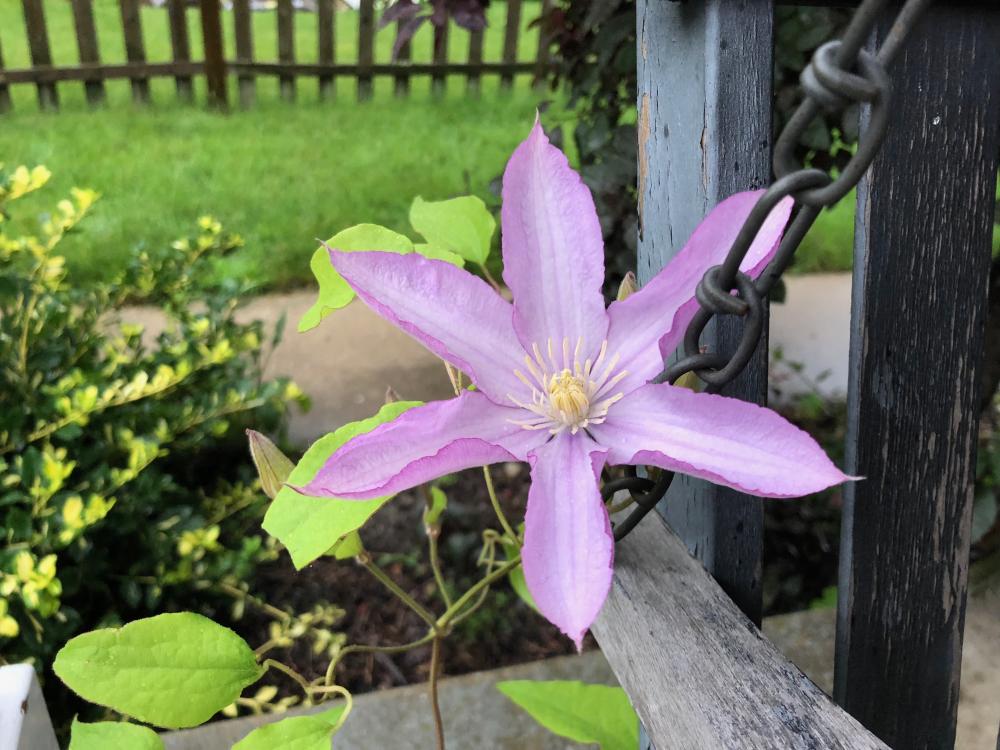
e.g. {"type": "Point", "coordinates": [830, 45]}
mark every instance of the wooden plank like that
{"type": "Point", "coordinates": [286, 47]}
{"type": "Point", "coordinates": [106, 71]}
{"type": "Point", "coordinates": [86, 42]}
{"type": "Point", "coordinates": [714, 139]}
{"type": "Point", "coordinates": [135, 49]}
{"type": "Point", "coordinates": [180, 46]}
{"type": "Point", "coordinates": [440, 58]}
{"type": "Point", "coordinates": [355, 70]}
{"type": "Point", "coordinates": [243, 28]}
{"type": "Point", "coordinates": [326, 20]}
{"type": "Point", "coordinates": [922, 257]}
{"type": "Point", "coordinates": [215, 59]}
{"type": "Point", "coordinates": [366, 44]}
{"type": "Point", "coordinates": [700, 675]}
{"type": "Point", "coordinates": [511, 34]}
{"type": "Point", "coordinates": [5, 105]}
{"type": "Point", "coordinates": [401, 86]}
{"type": "Point", "coordinates": [472, 83]}
{"type": "Point", "coordinates": [38, 47]}
{"type": "Point", "coordinates": [542, 59]}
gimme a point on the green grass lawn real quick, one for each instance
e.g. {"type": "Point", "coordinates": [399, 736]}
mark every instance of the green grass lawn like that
{"type": "Point", "coordinates": [279, 174]}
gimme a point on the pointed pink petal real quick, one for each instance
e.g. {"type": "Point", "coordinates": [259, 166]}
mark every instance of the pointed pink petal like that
{"type": "Point", "coordinates": [723, 440]}
{"type": "Point", "coordinates": [453, 313]}
{"type": "Point", "coordinates": [650, 324]}
{"type": "Point", "coordinates": [553, 250]}
{"type": "Point", "coordinates": [568, 547]}
{"type": "Point", "coordinates": [422, 444]}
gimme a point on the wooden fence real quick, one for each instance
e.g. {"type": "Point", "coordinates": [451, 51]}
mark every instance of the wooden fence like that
{"type": "Point", "coordinates": [683, 645]}
{"type": "Point", "coordinates": [246, 68]}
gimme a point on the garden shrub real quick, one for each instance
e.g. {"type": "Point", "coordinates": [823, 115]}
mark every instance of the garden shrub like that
{"type": "Point", "coordinates": [107, 434]}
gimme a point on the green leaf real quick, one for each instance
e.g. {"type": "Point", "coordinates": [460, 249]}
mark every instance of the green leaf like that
{"type": "Point", "coordinates": [173, 670]}
{"type": "Point", "coordinates": [113, 734]}
{"type": "Point", "coordinates": [298, 733]}
{"type": "Point", "coordinates": [334, 292]}
{"type": "Point", "coordinates": [463, 226]}
{"type": "Point", "coordinates": [516, 575]}
{"type": "Point", "coordinates": [439, 501]}
{"type": "Point", "coordinates": [348, 547]}
{"type": "Point", "coordinates": [435, 253]}
{"type": "Point", "coordinates": [583, 713]}
{"type": "Point", "coordinates": [310, 526]}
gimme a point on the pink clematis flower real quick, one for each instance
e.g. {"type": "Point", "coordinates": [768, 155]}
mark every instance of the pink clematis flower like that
{"type": "Point", "coordinates": [562, 382]}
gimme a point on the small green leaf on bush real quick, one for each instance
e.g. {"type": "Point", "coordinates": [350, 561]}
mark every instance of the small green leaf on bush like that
{"type": "Point", "coordinates": [297, 733]}
{"type": "Point", "coordinates": [173, 670]}
{"type": "Point", "coordinates": [439, 501]}
{"type": "Point", "coordinates": [113, 734]}
{"type": "Point", "coordinates": [334, 292]}
{"type": "Point", "coordinates": [310, 526]}
{"type": "Point", "coordinates": [583, 713]}
{"type": "Point", "coordinates": [463, 226]}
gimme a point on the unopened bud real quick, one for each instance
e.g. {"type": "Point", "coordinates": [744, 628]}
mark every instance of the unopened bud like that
{"type": "Point", "coordinates": [629, 286]}
{"type": "Point", "coordinates": [273, 466]}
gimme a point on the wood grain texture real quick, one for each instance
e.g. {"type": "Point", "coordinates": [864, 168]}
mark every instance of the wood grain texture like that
{"type": "Point", "coordinates": [38, 48]}
{"type": "Point", "coordinates": [286, 47]}
{"type": "Point", "coordinates": [86, 43]}
{"type": "Point", "coordinates": [180, 46]}
{"type": "Point", "coordinates": [366, 48]}
{"type": "Point", "coordinates": [135, 48]}
{"type": "Point", "coordinates": [440, 58]}
{"type": "Point", "coordinates": [326, 19]}
{"type": "Point", "coordinates": [512, 31]}
{"type": "Point", "coordinates": [701, 675]}
{"type": "Point", "coordinates": [215, 60]}
{"type": "Point", "coordinates": [243, 28]}
{"type": "Point", "coordinates": [472, 83]}
{"type": "Point", "coordinates": [705, 133]}
{"type": "Point", "coordinates": [922, 258]}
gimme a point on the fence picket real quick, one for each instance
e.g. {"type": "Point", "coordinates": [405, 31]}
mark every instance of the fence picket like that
{"type": "Point", "coordinates": [472, 83]}
{"type": "Point", "coordinates": [922, 257]}
{"type": "Point", "coordinates": [135, 49]}
{"type": "Point", "coordinates": [511, 34]}
{"type": "Point", "coordinates": [286, 47]}
{"type": "Point", "coordinates": [5, 105]}
{"type": "Point", "coordinates": [86, 41]}
{"type": "Point", "coordinates": [180, 46]}
{"type": "Point", "coordinates": [366, 45]}
{"type": "Point", "coordinates": [544, 42]}
{"type": "Point", "coordinates": [38, 46]}
{"type": "Point", "coordinates": [440, 57]}
{"type": "Point", "coordinates": [215, 60]}
{"type": "Point", "coordinates": [326, 53]}
{"type": "Point", "coordinates": [402, 79]}
{"type": "Point", "coordinates": [243, 28]}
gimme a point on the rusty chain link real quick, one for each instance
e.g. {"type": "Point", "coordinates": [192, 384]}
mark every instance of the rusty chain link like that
{"type": "Point", "coordinates": [839, 75]}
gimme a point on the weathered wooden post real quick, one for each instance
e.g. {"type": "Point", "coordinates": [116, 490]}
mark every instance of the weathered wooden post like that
{"type": "Point", "coordinates": [922, 256]}
{"type": "Point", "coordinates": [215, 61]}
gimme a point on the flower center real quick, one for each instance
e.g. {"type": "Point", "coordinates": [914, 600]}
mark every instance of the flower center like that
{"type": "Point", "coordinates": [565, 392]}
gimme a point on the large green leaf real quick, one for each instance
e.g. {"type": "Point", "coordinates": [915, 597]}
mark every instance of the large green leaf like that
{"type": "Point", "coordinates": [310, 526]}
{"type": "Point", "coordinates": [172, 670]}
{"type": "Point", "coordinates": [298, 733]}
{"type": "Point", "coordinates": [463, 226]}
{"type": "Point", "coordinates": [583, 713]}
{"type": "Point", "coordinates": [113, 734]}
{"type": "Point", "coordinates": [334, 292]}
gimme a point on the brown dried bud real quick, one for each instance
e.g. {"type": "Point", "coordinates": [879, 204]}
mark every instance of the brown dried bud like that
{"type": "Point", "coordinates": [629, 286]}
{"type": "Point", "coordinates": [273, 466]}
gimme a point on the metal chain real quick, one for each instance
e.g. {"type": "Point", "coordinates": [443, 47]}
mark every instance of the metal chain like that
{"type": "Point", "coordinates": [840, 74]}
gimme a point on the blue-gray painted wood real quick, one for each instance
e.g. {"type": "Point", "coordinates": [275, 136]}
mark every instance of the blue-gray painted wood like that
{"type": "Point", "coordinates": [705, 81]}
{"type": "Point", "coordinates": [922, 256]}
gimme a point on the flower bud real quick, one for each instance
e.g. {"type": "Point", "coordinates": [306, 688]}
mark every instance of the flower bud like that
{"type": "Point", "coordinates": [629, 286]}
{"type": "Point", "coordinates": [273, 466]}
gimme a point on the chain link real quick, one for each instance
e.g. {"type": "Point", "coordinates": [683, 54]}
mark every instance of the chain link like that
{"type": "Point", "coordinates": [840, 74]}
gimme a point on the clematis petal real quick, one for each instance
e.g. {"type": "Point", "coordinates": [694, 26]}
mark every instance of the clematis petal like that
{"type": "Point", "coordinates": [453, 313]}
{"type": "Point", "coordinates": [423, 444]}
{"type": "Point", "coordinates": [650, 324]}
{"type": "Point", "coordinates": [724, 440]}
{"type": "Point", "coordinates": [553, 249]}
{"type": "Point", "coordinates": [568, 547]}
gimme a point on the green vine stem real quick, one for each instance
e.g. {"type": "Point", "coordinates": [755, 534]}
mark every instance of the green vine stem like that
{"type": "Point", "coordinates": [507, 528]}
{"type": "Point", "coordinates": [365, 649]}
{"type": "Point", "coordinates": [433, 687]}
{"type": "Point", "coordinates": [386, 581]}
{"type": "Point", "coordinates": [432, 548]}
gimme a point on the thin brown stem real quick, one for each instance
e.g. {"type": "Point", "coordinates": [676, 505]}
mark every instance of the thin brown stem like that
{"type": "Point", "coordinates": [433, 686]}
{"type": "Point", "coordinates": [392, 586]}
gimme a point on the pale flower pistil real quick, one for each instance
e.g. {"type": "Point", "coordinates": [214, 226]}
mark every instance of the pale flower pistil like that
{"type": "Point", "coordinates": [569, 393]}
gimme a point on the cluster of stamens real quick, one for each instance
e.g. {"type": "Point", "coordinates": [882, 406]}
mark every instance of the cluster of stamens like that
{"type": "Point", "coordinates": [568, 394]}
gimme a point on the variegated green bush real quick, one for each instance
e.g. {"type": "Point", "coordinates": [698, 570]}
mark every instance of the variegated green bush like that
{"type": "Point", "coordinates": [104, 514]}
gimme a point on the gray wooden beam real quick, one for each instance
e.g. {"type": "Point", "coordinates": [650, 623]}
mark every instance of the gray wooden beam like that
{"type": "Point", "coordinates": [925, 214]}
